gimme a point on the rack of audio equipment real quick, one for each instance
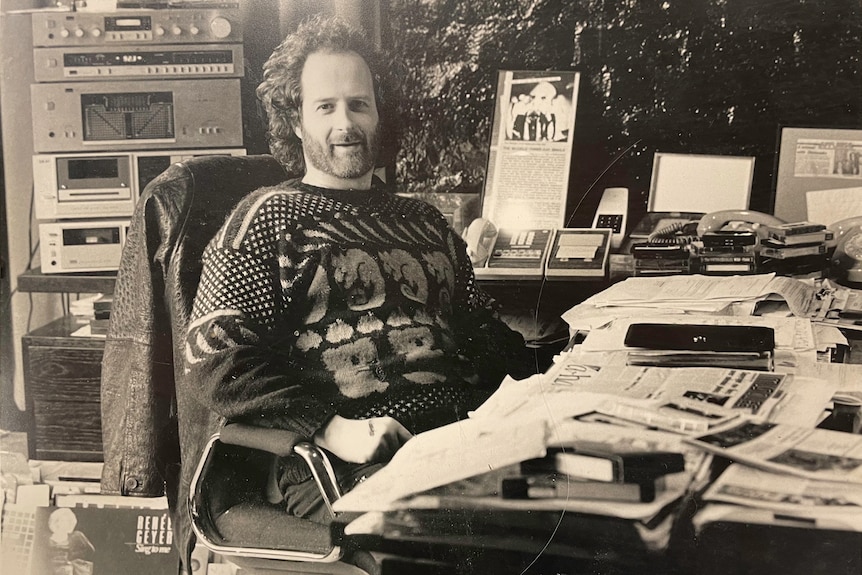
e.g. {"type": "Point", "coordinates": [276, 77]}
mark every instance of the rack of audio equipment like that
{"type": "Point", "coordinates": [95, 105]}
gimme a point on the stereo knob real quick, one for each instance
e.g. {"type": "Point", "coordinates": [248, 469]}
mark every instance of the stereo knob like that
{"type": "Point", "coordinates": [64, 33]}
{"type": "Point", "coordinates": [176, 30]}
{"type": "Point", "coordinates": [220, 27]}
{"type": "Point", "coordinates": [96, 32]}
{"type": "Point", "coordinates": [79, 32]}
{"type": "Point", "coordinates": [160, 31]}
{"type": "Point", "coordinates": [194, 30]}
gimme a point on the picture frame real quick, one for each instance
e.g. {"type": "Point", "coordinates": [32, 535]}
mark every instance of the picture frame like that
{"type": "Point", "coordinates": [530, 152]}
{"type": "Point", "coordinates": [814, 159]}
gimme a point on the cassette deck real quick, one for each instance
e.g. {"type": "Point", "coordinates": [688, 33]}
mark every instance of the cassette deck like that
{"type": "Point", "coordinates": [101, 184]}
{"type": "Point", "coordinates": [90, 246]}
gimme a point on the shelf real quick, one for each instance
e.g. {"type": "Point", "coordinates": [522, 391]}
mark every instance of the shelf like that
{"type": "Point", "coordinates": [85, 282]}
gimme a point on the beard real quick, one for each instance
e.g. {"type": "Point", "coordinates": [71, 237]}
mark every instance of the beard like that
{"type": "Point", "coordinates": [330, 159]}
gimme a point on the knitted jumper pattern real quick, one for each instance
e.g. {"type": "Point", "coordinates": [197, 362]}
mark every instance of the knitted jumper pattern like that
{"type": "Point", "coordinates": [316, 302]}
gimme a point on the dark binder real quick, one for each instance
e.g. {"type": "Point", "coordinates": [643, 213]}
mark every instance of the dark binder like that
{"type": "Point", "coordinates": [697, 337]}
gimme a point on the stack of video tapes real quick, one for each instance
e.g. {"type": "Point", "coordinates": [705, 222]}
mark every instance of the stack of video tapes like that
{"type": "Point", "coordinates": [728, 252]}
{"type": "Point", "coordinates": [651, 259]}
{"type": "Point", "coordinates": [798, 248]}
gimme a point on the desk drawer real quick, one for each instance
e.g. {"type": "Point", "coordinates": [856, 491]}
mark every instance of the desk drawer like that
{"type": "Point", "coordinates": [66, 431]}
{"type": "Point", "coordinates": [65, 374]}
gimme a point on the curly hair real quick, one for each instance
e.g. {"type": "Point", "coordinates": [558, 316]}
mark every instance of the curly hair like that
{"type": "Point", "coordinates": [280, 93]}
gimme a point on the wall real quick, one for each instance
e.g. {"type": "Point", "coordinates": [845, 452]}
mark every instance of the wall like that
{"type": "Point", "coordinates": [20, 311]}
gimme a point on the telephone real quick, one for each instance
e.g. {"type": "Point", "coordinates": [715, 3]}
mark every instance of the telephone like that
{"type": "Point", "coordinates": [683, 228]}
{"type": "Point", "coordinates": [612, 212]}
{"type": "Point", "coordinates": [737, 220]}
{"type": "Point", "coordinates": [847, 258]}
{"type": "Point", "coordinates": [479, 235]}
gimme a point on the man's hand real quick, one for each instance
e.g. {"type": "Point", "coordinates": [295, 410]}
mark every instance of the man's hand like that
{"type": "Point", "coordinates": [362, 440]}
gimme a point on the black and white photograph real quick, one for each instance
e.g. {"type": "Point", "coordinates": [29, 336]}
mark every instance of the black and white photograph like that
{"type": "Point", "coordinates": [352, 287]}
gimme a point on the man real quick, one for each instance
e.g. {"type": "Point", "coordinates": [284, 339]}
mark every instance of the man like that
{"type": "Point", "coordinates": [329, 306]}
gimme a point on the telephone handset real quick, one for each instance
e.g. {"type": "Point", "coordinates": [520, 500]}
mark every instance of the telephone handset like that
{"type": "Point", "coordinates": [479, 236]}
{"type": "Point", "coordinates": [737, 220]}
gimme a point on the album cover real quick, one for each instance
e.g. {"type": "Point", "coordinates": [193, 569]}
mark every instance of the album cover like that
{"type": "Point", "coordinates": [103, 541]}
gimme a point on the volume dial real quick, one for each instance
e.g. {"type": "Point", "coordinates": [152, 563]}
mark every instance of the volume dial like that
{"type": "Point", "coordinates": [220, 27]}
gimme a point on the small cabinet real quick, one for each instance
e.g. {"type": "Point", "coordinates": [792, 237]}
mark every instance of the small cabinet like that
{"type": "Point", "coordinates": [62, 375]}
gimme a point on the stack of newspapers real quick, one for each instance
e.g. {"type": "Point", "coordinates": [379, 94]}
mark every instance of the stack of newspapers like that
{"type": "Point", "coordinates": [784, 472]}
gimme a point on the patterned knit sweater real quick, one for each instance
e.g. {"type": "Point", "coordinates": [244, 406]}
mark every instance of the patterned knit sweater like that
{"type": "Point", "coordinates": [316, 302]}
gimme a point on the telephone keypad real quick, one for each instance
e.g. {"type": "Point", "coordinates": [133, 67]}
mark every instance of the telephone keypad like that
{"type": "Point", "coordinates": [613, 221]}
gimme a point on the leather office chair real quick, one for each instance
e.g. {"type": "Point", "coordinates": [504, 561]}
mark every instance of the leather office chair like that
{"type": "Point", "coordinates": [155, 431]}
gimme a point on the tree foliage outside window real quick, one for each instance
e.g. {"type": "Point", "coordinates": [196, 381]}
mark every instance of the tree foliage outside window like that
{"type": "Point", "coordinates": [692, 76]}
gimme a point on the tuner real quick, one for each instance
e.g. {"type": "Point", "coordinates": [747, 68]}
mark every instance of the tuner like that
{"type": "Point", "coordinates": [220, 27]}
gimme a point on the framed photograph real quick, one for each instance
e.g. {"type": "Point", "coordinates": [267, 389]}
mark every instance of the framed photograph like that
{"type": "Point", "coordinates": [527, 180]}
{"type": "Point", "coordinates": [815, 168]}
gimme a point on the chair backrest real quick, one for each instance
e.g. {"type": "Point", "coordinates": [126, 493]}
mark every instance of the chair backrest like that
{"type": "Point", "coordinates": [205, 193]}
{"type": "Point", "coordinates": [145, 421]}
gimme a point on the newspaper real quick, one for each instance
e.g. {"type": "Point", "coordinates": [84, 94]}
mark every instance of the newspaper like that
{"type": "Point", "coordinates": [447, 454]}
{"type": "Point", "coordinates": [705, 395]}
{"type": "Point", "coordinates": [718, 295]}
{"type": "Point", "coordinates": [691, 292]}
{"type": "Point", "coordinates": [788, 449]}
{"type": "Point", "coordinates": [458, 456]}
{"type": "Point", "coordinates": [727, 513]}
{"type": "Point", "coordinates": [743, 485]}
{"type": "Point", "coordinates": [828, 158]}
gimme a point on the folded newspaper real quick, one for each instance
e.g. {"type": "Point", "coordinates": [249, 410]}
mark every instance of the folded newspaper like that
{"type": "Point", "coordinates": [787, 449]}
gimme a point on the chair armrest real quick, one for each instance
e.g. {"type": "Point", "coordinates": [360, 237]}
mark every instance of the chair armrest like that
{"type": "Point", "coordinates": [283, 443]}
{"type": "Point", "coordinates": [276, 441]}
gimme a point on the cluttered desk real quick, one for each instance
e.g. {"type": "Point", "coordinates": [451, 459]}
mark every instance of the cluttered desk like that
{"type": "Point", "coordinates": [658, 455]}
{"type": "Point", "coordinates": [703, 418]}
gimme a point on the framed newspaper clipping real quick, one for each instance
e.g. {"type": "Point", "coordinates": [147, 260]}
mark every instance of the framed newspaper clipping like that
{"type": "Point", "coordinates": [527, 179]}
{"type": "Point", "coordinates": [818, 173]}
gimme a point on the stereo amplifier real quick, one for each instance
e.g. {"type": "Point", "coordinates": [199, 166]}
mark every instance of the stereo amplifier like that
{"type": "Point", "coordinates": [158, 114]}
{"type": "Point", "coordinates": [178, 26]}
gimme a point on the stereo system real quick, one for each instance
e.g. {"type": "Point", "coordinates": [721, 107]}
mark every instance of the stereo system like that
{"type": "Point", "coordinates": [160, 114]}
{"type": "Point", "coordinates": [101, 184]}
{"type": "Point", "coordinates": [138, 62]}
{"type": "Point", "coordinates": [146, 27]}
{"type": "Point", "coordinates": [82, 246]}
{"type": "Point", "coordinates": [117, 97]}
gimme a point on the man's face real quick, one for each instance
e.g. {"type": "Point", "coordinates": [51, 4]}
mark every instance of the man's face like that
{"type": "Point", "coordinates": [339, 125]}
